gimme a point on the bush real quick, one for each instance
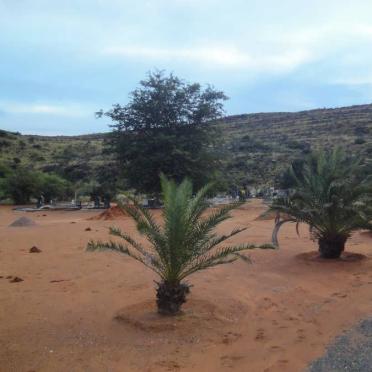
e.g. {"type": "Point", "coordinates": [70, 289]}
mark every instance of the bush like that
{"type": "Point", "coordinates": [296, 145]}
{"type": "Point", "coordinates": [53, 187]}
{"type": "Point", "coordinates": [361, 130]}
{"type": "Point", "coordinates": [22, 144]}
{"type": "Point", "coordinates": [22, 184]}
{"type": "Point", "coordinates": [359, 141]}
{"type": "Point", "coordinates": [4, 143]}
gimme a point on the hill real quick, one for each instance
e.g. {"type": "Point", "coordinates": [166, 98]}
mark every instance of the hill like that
{"type": "Point", "coordinates": [260, 146]}
{"type": "Point", "coordinates": [257, 147]}
{"type": "Point", "coordinates": [77, 158]}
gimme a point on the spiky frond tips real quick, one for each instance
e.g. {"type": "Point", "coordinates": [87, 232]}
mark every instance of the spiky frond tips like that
{"type": "Point", "coordinates": [186, 242]}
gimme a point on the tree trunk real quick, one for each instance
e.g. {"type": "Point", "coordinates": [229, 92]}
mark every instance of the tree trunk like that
{"type": "Point", "coordinates": [170, 297]}
{"type": "Point", "coordinates": [331, 247]}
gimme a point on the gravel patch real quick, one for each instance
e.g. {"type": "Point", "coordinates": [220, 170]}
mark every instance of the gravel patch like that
{"type": "Point", "coordinates": [350, 352]}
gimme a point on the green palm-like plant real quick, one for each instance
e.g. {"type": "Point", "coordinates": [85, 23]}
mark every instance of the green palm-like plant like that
{"type": "Point", "coordinates": [332, 196]}
{"type": "Point", "coordinates": [184, 244]}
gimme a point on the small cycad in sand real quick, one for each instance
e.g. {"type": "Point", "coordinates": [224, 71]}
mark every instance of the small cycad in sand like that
{"type": "Point", "coordinates": [332, 195]}
{"type": "Point", "coordinates": [183, 244]}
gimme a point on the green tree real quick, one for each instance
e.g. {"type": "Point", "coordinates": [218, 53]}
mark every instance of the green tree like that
{"type": "Point", "coordinates": [92, 189]}
{"type": "Point", "coordinates": [184, 244]}
{"type": "Point", "coordinates": [165, 128]}
{"type": "Point", "coordinates": [5, 171]}
{"type": "Point", "coordinates": [333, 196]}
{"type": "Point", "coordinates": [21, 185]}
{"type": "Point", "coordinates": [53, 186]}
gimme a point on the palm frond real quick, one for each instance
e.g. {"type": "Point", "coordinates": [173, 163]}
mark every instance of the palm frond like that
{"type": "Point", "coordinates": [220, 256]}
{"type": "Point", "coordinates": [329, 196]}
{"type": "Point", "coordinates": [186, 242]}
{"type": "Point", "coordinates": [147, 260]}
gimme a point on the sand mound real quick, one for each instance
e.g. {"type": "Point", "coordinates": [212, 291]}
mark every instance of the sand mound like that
{"type": "Point", "coordinates": [113, 213]}
{"type": "Point", "coordinates": [35, 249]}
{"type": "Point", "coordinates": [197, 314]}
{"type": "Point", "coordinates": [22, 222]}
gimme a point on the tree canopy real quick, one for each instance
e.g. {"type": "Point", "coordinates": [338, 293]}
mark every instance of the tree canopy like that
{"type": "Point", "coordinates": [166, 128]}
{"type": "Point", "coordinates": [22, 184]}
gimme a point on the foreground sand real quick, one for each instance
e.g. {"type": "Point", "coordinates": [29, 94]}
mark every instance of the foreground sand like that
{"type": "Point", "coordinates": [79, 311]}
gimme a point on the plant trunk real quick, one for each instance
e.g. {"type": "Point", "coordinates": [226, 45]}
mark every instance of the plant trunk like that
{"type": "Point", "coordinates": [331, 247]}
{"type": "Point", "coordinates": [170, 297]}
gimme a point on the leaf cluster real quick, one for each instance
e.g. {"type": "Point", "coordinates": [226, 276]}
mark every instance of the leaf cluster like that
{"type": "Point", "coordinates": [332, 195]}
{"type": "Point", "coordinates": [186, 242]}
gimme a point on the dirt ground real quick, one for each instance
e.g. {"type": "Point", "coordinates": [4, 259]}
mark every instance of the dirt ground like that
{"type": "Point", "coordinates": [83, 311]}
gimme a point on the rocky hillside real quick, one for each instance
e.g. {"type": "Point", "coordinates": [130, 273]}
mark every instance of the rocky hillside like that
{"type": "Point", "coordinates": [260, 146]}
{"type": "Point", "coordinates": [257, 146]}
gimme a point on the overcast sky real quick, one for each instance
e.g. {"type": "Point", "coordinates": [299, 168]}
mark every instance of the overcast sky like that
{"type": "Point", "coordinates": [62, 60]}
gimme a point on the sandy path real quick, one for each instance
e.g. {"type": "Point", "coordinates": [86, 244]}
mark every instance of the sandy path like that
{"type": "Point", "coordinates": [274, 315]}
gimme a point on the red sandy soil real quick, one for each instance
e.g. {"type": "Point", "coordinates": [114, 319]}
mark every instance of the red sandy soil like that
{"type": "Point", "coordinates": [112, 213]}
{"type": "Point", "coordinates": [80, 311]}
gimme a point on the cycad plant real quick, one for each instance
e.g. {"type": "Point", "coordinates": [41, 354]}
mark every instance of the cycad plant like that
{"type": "Point", "coordinates": [333, 196]}
{"type": "Point", "coordinates": [183, 244]}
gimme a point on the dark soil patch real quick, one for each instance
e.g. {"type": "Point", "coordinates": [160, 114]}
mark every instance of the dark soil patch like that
{"type": "Point", "coordinates": [35, 249]}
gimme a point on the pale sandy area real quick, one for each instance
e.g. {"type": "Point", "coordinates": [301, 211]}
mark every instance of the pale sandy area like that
{"type": "Point", "coordinates": [80, 311]}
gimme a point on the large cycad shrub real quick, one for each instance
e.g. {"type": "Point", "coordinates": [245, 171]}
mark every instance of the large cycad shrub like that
{"type": "Point", "coordinates": [183, 244]}
{"type": "Point", "coordinates": [333, 195]}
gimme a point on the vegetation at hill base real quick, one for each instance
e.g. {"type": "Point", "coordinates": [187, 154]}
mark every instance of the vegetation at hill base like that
{"type": "Point", "coordinates": [22, 184]}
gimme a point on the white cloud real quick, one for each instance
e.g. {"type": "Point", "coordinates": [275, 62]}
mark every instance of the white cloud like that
{"type": "Point", "coordinates": [220, 56]}
{"type": "Point", "coordinates": [342, 50]}
{"type": "Point", "coordinates": [354, 80]}
{"type": "Point", "coordinates": [66, 110]}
